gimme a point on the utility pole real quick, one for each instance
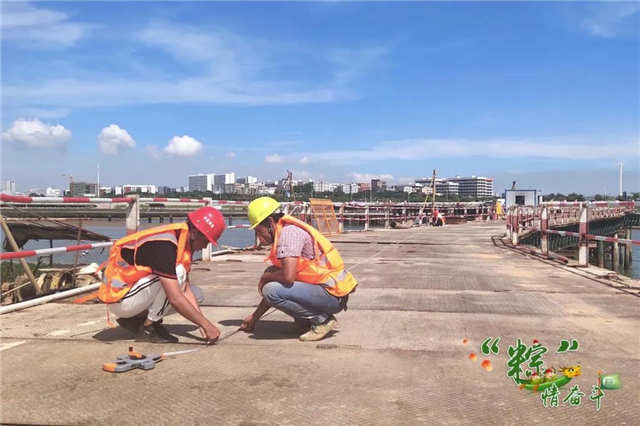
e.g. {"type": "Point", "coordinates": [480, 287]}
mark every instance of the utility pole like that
{"type": "Point", "coordinates": [98, 182]}
{"type": "Point", "coordinates": [433, 192]}
{"type": "Point", "coordinates": [620, 178]}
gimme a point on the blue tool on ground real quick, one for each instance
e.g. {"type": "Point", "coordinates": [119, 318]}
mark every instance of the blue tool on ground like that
{"type": "Point", "coordinates": [132, 360]}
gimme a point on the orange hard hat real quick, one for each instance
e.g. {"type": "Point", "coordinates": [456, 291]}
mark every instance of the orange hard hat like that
{"type": "Point", "coordinates": [209, 221]}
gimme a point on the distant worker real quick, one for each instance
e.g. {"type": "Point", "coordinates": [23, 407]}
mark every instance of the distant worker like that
{"type": "Point", "coordinates": [147, 275]}
{"type": "Point", "coordinates": [437, 219]}
{"type": "Point", "coordinates": [306, 280]}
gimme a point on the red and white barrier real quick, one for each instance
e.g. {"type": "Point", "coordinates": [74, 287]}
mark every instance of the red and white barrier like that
{"type": "Point", "coordinates": [44, 252]}
{"type": "Point", "coordinates": [61, 200]}
{"type": "Point", "coordinates": [594, 237]}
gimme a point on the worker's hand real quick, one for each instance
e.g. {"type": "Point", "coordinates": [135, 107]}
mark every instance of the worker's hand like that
{"type": "Point", "coordinates": [248, 324]}
{"type": "Point", "coordinates": [211, 333]}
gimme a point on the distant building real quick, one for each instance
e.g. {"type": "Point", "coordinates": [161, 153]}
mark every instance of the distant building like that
{"type": "Point", "coordinates": [104, 190]}
{"type": "Point", "coordinates": [325, 186]}
{"type": "Point", "coordinates": [378, 185]}
{"type": "Point", "coordinates": [9, 186]}
{"type": "Point", "coordinates": [53, 192]}
{"type": "Point", "coordinates": [474, 186]}
{"type": "Point", "coordinates": [445, 187]}
{"type": "Point", "coordinates": [220, 181]}
{"type": "Point", "coordinates": [82, 189]}
{"type": "Point", "coordinates": [362, 187]}
{"type": "Point", "coordinates": [521, 197]}
{"type": "Point", "coordinates": [200, 182]}
{"type": "Point", "coordinates": [164, 190]}
{"type": "Point", "coordinates": [144, 189]}
{"type": "Point", "coordinates": [408, 188]}
{"type": "Point", "coordinates": [350, 188]}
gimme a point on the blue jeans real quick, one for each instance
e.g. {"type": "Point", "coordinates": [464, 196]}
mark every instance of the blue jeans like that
{"type": "Point", "coordinates": [302, 301]}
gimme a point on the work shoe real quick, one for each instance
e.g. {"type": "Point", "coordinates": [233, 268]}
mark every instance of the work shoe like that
{"type": "Point", "coordinates": [155, 333]}
{"type": "Point", "coordinates": [319, 331]}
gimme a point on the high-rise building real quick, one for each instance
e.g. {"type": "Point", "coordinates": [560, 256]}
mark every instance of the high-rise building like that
{"type": "Point", "coordinates": [350, 188]}
{"type": "Point", "coordinates": [9, 186]}
{"type": "Point", "coordinates": [200, 182]}
{"type": "Point", "coordinates": [378, 185]}
{"type": "Point", "coordinates": [219, 181]}
{"type": "Point", "coordinates": [474, 186]}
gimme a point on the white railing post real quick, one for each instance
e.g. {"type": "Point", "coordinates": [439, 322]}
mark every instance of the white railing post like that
{"type": "Point", "coordinates": [366, 217]}
{"type": "Point", "coordinates": [583, 244]}
{"type": "Point", "coordinates": [544, 237]}
{"type": "Point", "coordinates": [207, 251]}
{"type": "Point", "coordinates": [133, 215]}
{"type": "Point", "coordinates": [515, 227]}
{"type": "Point", "coordinates": [341, 218]}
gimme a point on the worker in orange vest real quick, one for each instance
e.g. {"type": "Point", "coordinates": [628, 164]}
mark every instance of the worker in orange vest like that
{"type": "Point", "coordinates": [306, 279]}
{"type": "Point", "coordinates": [147, 276]}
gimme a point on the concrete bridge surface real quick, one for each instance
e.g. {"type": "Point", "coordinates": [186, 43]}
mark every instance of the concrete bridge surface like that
{"type": "Point", "coordinates": [398, 357]}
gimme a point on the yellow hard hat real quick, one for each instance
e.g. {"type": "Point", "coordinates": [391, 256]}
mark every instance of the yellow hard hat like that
{"type": "Point", "coordinates": [260, 209]}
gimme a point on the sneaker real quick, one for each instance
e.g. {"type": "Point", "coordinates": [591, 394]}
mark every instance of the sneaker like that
{"type": "Point", "coordinates": [319, 331]}
{"type": "Point", "coordinates": [155, 333]}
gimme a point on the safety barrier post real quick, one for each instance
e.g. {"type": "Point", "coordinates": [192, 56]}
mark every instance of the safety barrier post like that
{"type": "Point", "coordinates": [366, 217]}
{"type": "Point", "coordinates": [600, 253]}
{"type": "Point", "coordinates": [515, 226]}
{"type": "Point", "coordinates": [404, 212]}
{"type": "Point", "coordinates": [207, 251]}
{"type": "Point", "coordinates": [387, 213]}
{"type": "Point", "coordinates": [615, 256]}
{"type": "Point", "coordinates": [628, 235]}
{"type": "Point", "coordinates": [341, 218]}
{"type": "Point", "coordinates": [583, 244]}
{"type": "Point", "coordinates": [133, 215]}
{"type": "Point", "coordinates": [544, 237]}
{"type": "Point", "coordinates": [27, 270]}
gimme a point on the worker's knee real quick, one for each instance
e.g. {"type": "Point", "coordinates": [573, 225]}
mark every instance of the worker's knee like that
{"type": "Point", "coordinates": [270, 291]}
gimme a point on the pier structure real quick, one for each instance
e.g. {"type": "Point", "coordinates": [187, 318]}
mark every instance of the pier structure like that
{"type": "Point", "coordinates": [428, 297]}
{"type": "Point", "coordinates": [600, 232]}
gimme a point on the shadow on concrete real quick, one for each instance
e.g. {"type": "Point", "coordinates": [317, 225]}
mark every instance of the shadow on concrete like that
{"type": "Point", "coordinates": [272, 330]}
{"type": "Point", "coordinates": [120, 333]}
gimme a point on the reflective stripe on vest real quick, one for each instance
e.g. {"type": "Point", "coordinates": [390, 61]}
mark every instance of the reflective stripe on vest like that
{"type": "Point", "coordinates": [120, 276]}
{"type": "Point", "coordinates": [326, 268]}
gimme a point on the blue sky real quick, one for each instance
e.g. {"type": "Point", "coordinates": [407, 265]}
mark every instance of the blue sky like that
{"type": "Point", "coordinates": [546, 94]}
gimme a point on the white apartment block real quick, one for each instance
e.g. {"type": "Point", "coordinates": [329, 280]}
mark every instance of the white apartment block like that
{"type": "Point", "coordinates": [474, 186]}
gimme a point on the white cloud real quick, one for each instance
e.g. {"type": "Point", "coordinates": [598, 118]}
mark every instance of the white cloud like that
{"type": "Point", "coordinates": [39, 27]}
{"type": "Point", "coordinates": [112, 138]}
{"type": "Point", "coordinates": [366, 177]}
{"type": "Point", "coordinates": [305, 160]}
{"type": "Point", "coordinates": [612, 19]}
{"type": "Point", "coordinates": [230, 154]}
{"type": "Point", "coordinates": [228, 69]}
{"type": "Point", "coordinates": [36, 134]}
{"type": "Point", "coordinates": [422, 149]}
{"type": "Point", "coordinates": [43, 112]}
{"type": "Point", "coordinates": [274, 159]}
{"type": "Point", "coordinates": [183, 146]}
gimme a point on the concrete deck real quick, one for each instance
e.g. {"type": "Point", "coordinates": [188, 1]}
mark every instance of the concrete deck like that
{"type": "Point", "coordinates": [397, 358]}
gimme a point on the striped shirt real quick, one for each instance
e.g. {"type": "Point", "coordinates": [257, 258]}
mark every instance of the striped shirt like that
{"type": "Point", "coordinates": [294, 242]}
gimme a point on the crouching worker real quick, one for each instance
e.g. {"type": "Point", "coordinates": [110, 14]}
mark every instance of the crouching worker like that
{"type": "Point", "coordinates": [147, 276]}
{"type": "Point", "coordinates": [306, 280]}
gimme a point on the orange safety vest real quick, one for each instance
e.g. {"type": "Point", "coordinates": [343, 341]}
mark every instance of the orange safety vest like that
{"type": "Point", "coordinates": [120, 276]}
{"type": "Point", "coordinates": [325, 268]}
